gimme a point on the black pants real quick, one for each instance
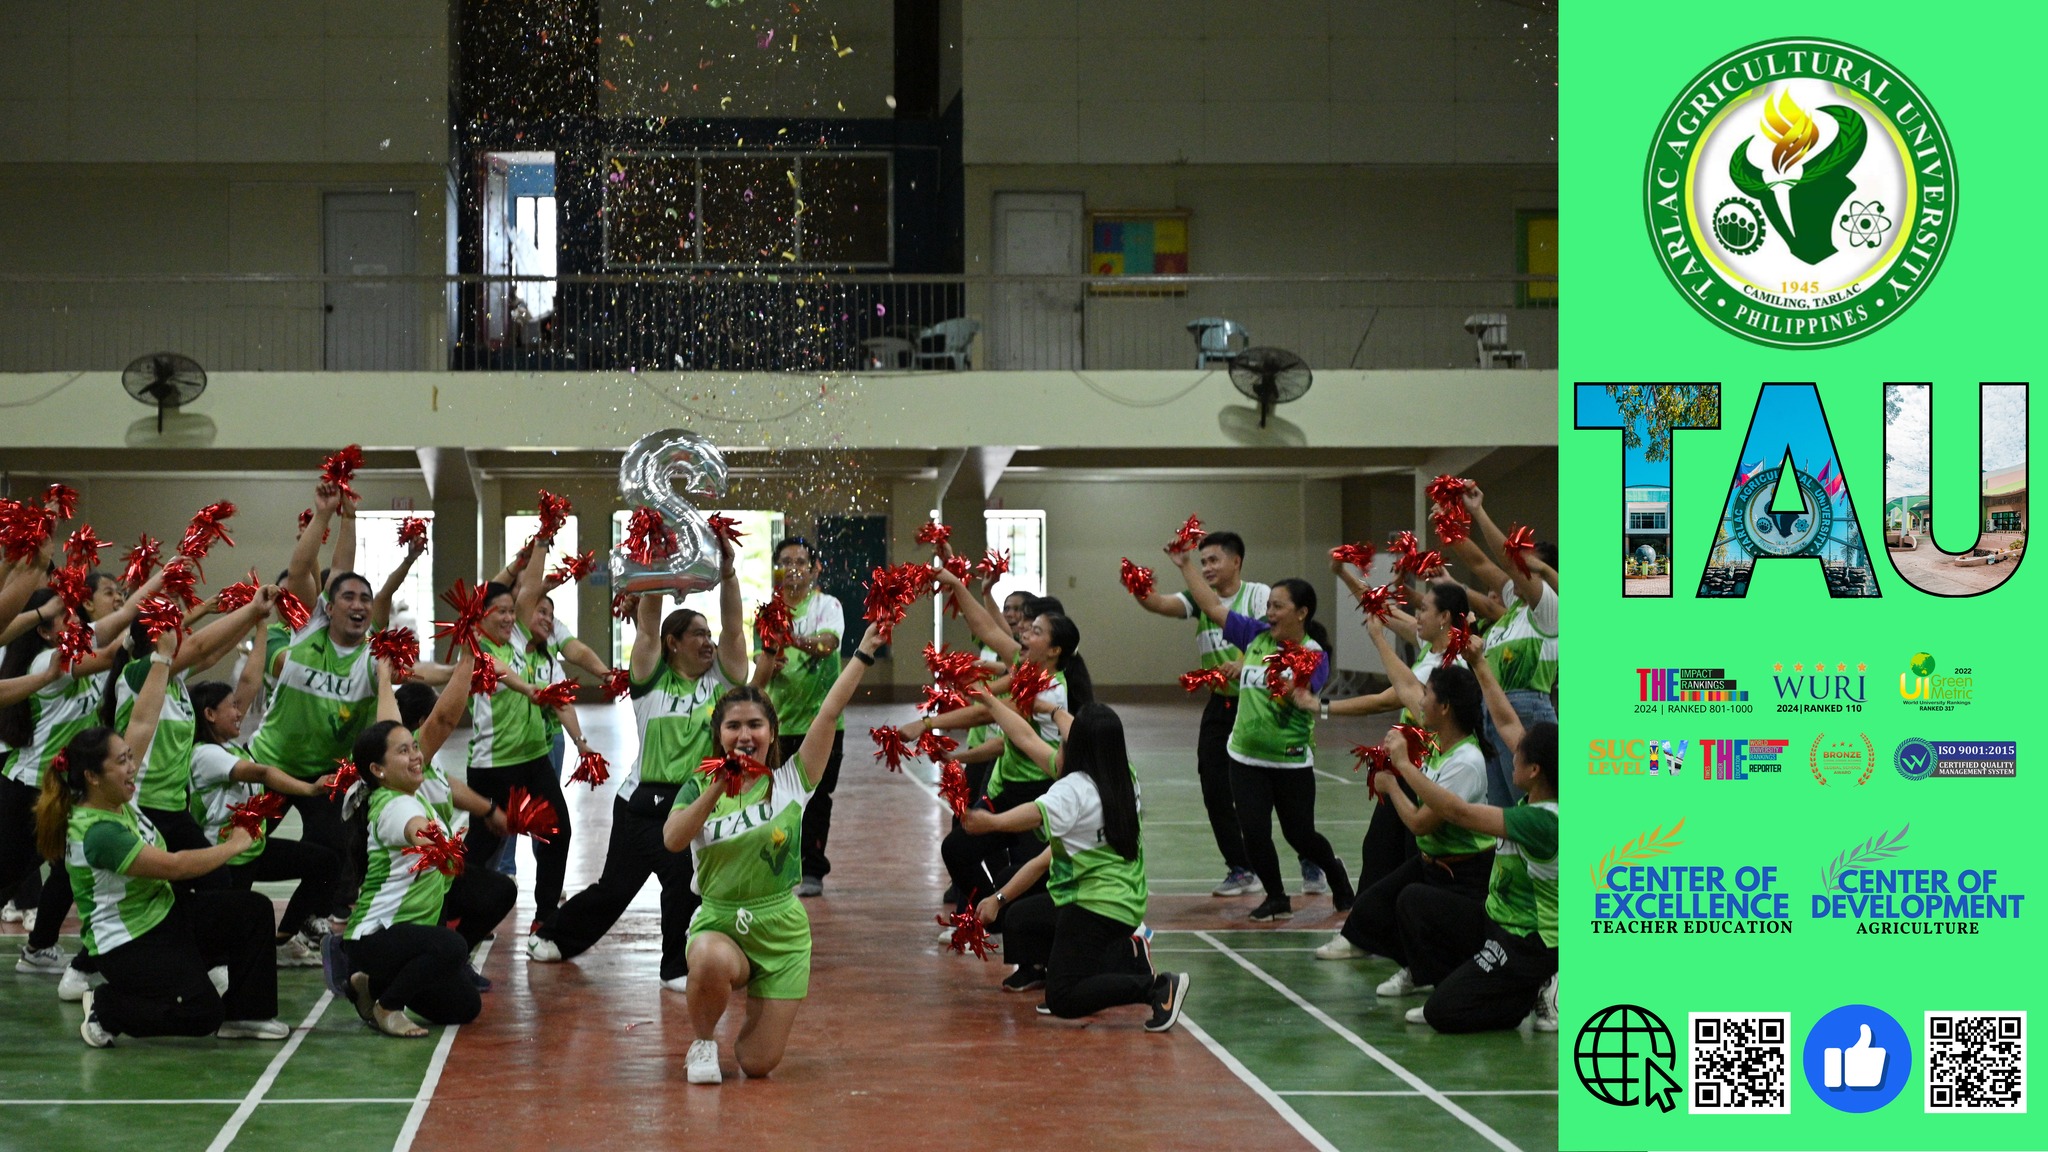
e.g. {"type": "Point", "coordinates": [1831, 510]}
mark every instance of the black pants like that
{"type": "Point", "coordinates": [1373, 924]}
{"type": "Point", "coordinates": [314, 867]}
{"type": "Point", "coordinates": [551, 859]}
{"type": "Point", "coordinates": [421, 967]}
{"type": "Point", "coordinates": [818, 812]}
{"type": "Point", "coordinates": [321, 823]}
{"type": "Point", "coordinates": [1486, 977]}
{"type": "Point", "coordinates": [635, 853]}
{"type": "Point", "coordinates": [1388, 843]}
{"type": "Point", "coordinates": [1291, 792]}
{"type": "Point", "coordinates": [19, 859]}
{"type": "Point", "coordinates": [1091, 961]}
{"type": "Point", "coordinates": [978, 865]}
{"type": "Point", "coordinates": [477, 901]}
{"type": "Point", "coordinates": [182, 833]}
{"type": "Point", "coordinates": [1212, 765]}
{"type": "Point", "coordinates": [157, 985]}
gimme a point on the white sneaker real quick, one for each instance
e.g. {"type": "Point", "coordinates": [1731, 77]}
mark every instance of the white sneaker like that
{"type": "Point", "coordinates": [702, 1064]}
{"type": "Point", "coordinates": [1415, 1016]}
{"type": "Point", "coordinates": [73, 985]}
{"type": "Point", "coordinates": [254, 1030]}
{"type": "Point", "coordinates": [10, 913]}
{"type": "Point", "coordinates": [1340, 949]}
{"type": "Point", "coordinates": [542, 950]}
{"type": "Point", "coordinates": [1313, 882]}
{"type": "Point", "coordinates": [218, 977]}
{"type": "Point", "coordinates": [1402, 983]}
{"type": "Point", "coordinates": [299, 952]}
{"type": "Point", "coordinates": [90, 1030]}
{"type": "Point", "coordinates": [28, 920]}
{"type": "Point", "coordinates": [1546, 1007]}
{"type": "Point", "coordinates": [679, 984]}
{"type": "Point", "coordinates": [945, 935]}
{"type": "Point", "coordinates": [49, 961]}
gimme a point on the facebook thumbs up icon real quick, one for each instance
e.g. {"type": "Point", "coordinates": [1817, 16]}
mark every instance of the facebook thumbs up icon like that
{"type": "Point", "coordinates": [1857, 1058]}
{"type": "Point", "coordinates": [1864, 1064]}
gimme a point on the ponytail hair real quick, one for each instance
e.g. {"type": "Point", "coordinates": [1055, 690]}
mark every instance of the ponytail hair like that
{"type": "Point", "coordinates": [206, 696]}
{"type": "Point", "coordinates": [138, 643]}
{"type": "Point", "coordinates": [369, 750]}
{"type": "Point", "coordinates": [1066, 636]}
{"type": "Point", "coordinates": [1303, 594]}
{"type": "Point", "coordinates": [1457, 688]}
{"type": "Point", "coordinates": [1539, 747]}
{"type": "Point", "coordinates": [64, 788]}
{"type": "Point", "coordinates": [1096, 748]}
{"type": "Point", "coordinates": [16, 727]}
{"type": "Point", "coordinates": [748, 694]}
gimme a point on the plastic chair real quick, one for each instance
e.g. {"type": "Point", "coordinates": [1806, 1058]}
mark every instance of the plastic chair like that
{"type": "Point", "coordinates": [1214, 338]}
{"type": "Point", "coordinates": [885, 353]}
{"type": "Point", "coordinates": [1490, 330]}
{"type": "Point", "coordinates": [947, 341]}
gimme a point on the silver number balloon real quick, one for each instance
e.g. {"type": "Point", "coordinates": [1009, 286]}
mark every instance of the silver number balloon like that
{"type": "Point", "coordinates": [657, 472]}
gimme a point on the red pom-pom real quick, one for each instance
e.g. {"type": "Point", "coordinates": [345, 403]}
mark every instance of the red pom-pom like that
{"type": "Point", "coordinates": [24, 528]}
{"type": "Point", "coordinates": [934, 533]}
{"type": "Point", "coordinates": [560, 694]}
{"type": "Point", "coordinates": [340, 468]}
{"type": "Point", "coordinates": [412, 530]}
{"type": "Point", "coordinates": [178, 582]}
{"type": "Point", "coordinates": [969, 934]}
{"type": "Point", "coordinates": [891, 591]}
{"type": "Point", "coordinates": [61, 500]}
{"type": "Point", "coordinates": [485, 677]}
{"type": "Point", "coordinates": [1375, 760]}
{"type": "Point", "coordinates": [1188, 538]}
{"type": "Point", "coordinates": [1455, 638]}
{"type": "Point", "coordinates": [1404, 544]}
{"type": "Point", "coordinates": [441, 852]}
{"type": "Point", "coordinates": [296, 614]}
{"type": "Point", "coordinates": [617, 684]}
{"type": "Point", "coordinates": [622, 605]}
{"type": "Point", "coordinates": [206, 530]}
{"type": "Point", "coordinates": [963, 569]}
{"type": "Point", "coordinates": [1451, 523]}
{"type": "Point", "coordinates": [1420, 563]}
{"type": "Point", "coordinates": [158, 615]}
{"type": "Point", "coordinates": [252, 815]}
{"type": "Point", "coordinates": [76, 644]}
{"type": "Point", "coordinates": [953, 786]}
{"type": "Point", "coordinates": [84, 546]}
{"type": "Point", "coordinates": [648, 538]}
{"type": "Point", "coordinates": [890, 748]}
{"type": "Point", "coordinates": [726, 528]}
{"type": "Point", "coordinates": [72, 584]}
{"type": "Point", "coordinates": [1359, 556]}
{"type": "Point", "coordinates": [574, 569]}
{"type": "Point", "coordinates": [1421, 743]}
{"type": "Point", "coordinates": [529, 815]}
{"type": "Point", "coordinates": [235, 597]}
{"type": "Point", "coordinates": [1137, 579]}
{"type": "Point", "coordinates": [994, 565]}
{"type": "Point", "coordinates": [1027, 682]}
{"type": "Point", "coordinates": [732, 771]}
{"type": "Point", "coordinates": [399, 646]}
{"type": "Point", "coordinates": [1520, 545]}
{"type": "Point", "coordinates": [774, 624]}
{"type": "Point", "coordinates": [305, 518]}
{"type": "Point", "coordinates": [959, 670]}
{"type": "Point", "coordinates": [468, 601]}
{"type": "Point", "coordinates": [936, 746]}
{"type": "Point", "coordinates": [1448, 490]}
{"type": "Point", "coordinates": [1377, 602]}
{"type": "Point", "coordinates": [1291, 667]}
{"type": "Point", "coordinates": [344, 777]}
{"type": "Point", "coordinates": [591, 770]}
{"type": "Point", "coordinates": [1204, 678]}
{"type": "Point", "coordinates": [939, 699]}
{"type": "Point", "coordinates": [554, 512]}
{"type": "Point", "coordinates": [141, 561]}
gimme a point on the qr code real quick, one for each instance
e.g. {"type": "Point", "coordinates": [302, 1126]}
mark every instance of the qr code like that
{"type": "Point", "coordinates": [1976, 1062]}
{"type": "Point", "coordinates": [1739, 1062]}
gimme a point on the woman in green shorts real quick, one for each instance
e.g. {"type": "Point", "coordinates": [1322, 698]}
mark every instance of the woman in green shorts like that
{"type": "Point", "coordinates": [750, 931]}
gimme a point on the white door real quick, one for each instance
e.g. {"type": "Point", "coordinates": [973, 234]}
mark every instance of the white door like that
{"type": "Point", "coordinates": [1037, 326]}
{"type": "Point", "coordinates": [372, 325]}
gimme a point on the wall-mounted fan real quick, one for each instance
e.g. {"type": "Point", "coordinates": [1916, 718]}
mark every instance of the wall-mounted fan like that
{"type": "Point", "coordinates": [165, 381]}
{"type": "Point", "coordinates": [1270, 376]}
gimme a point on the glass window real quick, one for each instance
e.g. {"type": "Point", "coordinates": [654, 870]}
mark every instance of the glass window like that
{"type": "Point", "coordinates": [378, 555]}
{"type": "Point", "coordinates": [679, 210]}
{"type": "Point", "coordinates": [1021, 533]}
{"type": "Point", "coordinates": [759, 530]}
{"type": "Point", "coordinates": [1536, 249]}
{"type": "Point", "coordinates": [518, 530]}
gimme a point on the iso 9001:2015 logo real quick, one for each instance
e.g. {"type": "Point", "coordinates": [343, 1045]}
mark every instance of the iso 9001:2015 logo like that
{"type": "Point", "coordinates": [1800, 193]}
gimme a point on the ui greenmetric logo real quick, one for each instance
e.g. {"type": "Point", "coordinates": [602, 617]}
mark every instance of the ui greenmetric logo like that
{"type": "Point", "coordinates": [1800, 193]}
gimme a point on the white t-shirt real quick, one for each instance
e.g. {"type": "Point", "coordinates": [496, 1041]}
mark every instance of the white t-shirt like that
{"type": "Point", "coordinates": [1073, 811]}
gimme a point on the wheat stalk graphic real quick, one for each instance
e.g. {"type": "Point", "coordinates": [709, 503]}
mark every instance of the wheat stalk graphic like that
{"type": "Point", "coordinates": [1874, 848]}
{"type": "Point", "coordinates": [1655, 842]}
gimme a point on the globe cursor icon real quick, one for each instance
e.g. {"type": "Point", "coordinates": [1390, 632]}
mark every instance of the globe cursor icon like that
{"type": "Point", "coordinates": [1658, 1086]}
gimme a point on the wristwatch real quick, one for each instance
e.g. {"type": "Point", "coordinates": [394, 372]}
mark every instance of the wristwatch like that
{"type": "Point", "coordinates": [1325, 713]}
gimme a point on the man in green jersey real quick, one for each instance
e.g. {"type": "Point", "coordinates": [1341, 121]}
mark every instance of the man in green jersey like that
{"type": "Point", "coordinates": [806, 670]}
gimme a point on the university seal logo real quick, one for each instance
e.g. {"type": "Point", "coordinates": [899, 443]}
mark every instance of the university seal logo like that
{"type": "Point", "coordinates": [1800, 193]}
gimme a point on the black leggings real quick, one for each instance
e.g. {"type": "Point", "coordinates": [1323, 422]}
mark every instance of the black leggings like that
{"type": "Point", "coordinates": [321, 824]}
{"type": "Point", "coordinates": [421, 967]}
{"type": "Point", "coordinates": [1212, 766]}
{"type": "Point", "coordinates": [636, 852]}
{"type": "Point", "coordinates": [978, 865]}
{"type": "Point", "coordinates": [1259, 793]}
{"type": "Point", "coordinates": [1486, 977]}
{"type": "Point", "coordinates": [477, 902]}
{"type": "Point", "coordinates": [21, 864]}
{"type": "Point", "coordinates": [1091, 961]}
{"type": "Point", "coordinates": [1373, 924]}
{"type": "Point", "coordinates": [1388, 843]}
{"type": "Point", "coordinates": [818, 810]}
{"type": "Point", "coordinates": [537, 776]}
{"type": "Point", "coordinates": [314, 867]}
{"type": "Point", "coordinates": [157, 985]}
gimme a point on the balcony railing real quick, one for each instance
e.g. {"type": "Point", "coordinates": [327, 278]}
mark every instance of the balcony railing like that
{"type": "Point", "coordinates": [793, 323]}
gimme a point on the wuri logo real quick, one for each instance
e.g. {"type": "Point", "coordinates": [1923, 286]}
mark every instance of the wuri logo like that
{"type": "Point", "coordinates": [1819, 687]}
{"type": "Point", "coordinates": [1800, 193]}
{"type": "Point", "coordinates": [1920, 688]}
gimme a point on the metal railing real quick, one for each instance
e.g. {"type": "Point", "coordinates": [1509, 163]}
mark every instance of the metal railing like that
{"type": "Point", "coordinates": [789, 323]}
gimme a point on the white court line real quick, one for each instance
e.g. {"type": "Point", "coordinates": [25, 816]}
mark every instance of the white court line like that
{"type": "Point", "coordinates": [425, 1095]}
{"type": "Point", "coordinates": [1252, 1081]}
{"type": "Point", "coordinates": [1471, 1092]}
{"type": "Point", "coordinates": [208, 1100]}
{"type": "Point", "coordinates": [1211, 951]}
{"type": "Point", "coordinates": [241, 1115]}
{"type": "Point", "coordinates": [1385, 1061]}
{"type": "Point", "coordinates": [1332, 776]}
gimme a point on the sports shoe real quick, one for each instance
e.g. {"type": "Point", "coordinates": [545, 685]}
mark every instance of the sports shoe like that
{"type": "Point", "coordinates": [49, 961]}
{"type": "Point", "coordinates": [218, 977]}
{"type": "Point", "coordinates": [481, 982]}
{"type": "Point", "coordinates": [1274, 908]}
{"type": "Point", "coordinates": [10, 913]}
{"type": "Point", "coordinates": [298, 952]}
{"type": "Point", "coordinates": [811, 886]}
{"type": "Point", "coordinates": [542, 950]}
{"type": "Point", "coordinates": [1237, 882]}
{"type": "Point", "coordinates": [1026, 978]}
{"type": "Point", "coordinates": [73, 985]}
{"type": "Point", "coordinates": [254, 1030]}
{"type": "Point", "coordinates": [1312, 881]}
{"type": "Point", "coordinates": [28, 920]}
{"type": "Point", "coordinates": [1402, 983]}
{"type": "Point", "coordinates": [702, 1064]}
{"type": "Point", "coordinates": [678, 983]}
{"type": "Point", "coordinates": [90, 1030]}
{"type": "Point", "coordinates": [1340, 949]}
{"type": "Point", "coordinates": [1169, 994]}
{"type": "Point", "coordinates": [1417, 1015]}
{"type": "Point", "coordinates": [1044, 1010]}
{"type": "Point", "coordinates": [1141, 946]}
{"type": "Point", "coordinates": [334, 966]}
{"type": "Point", "coordinates": [1546, 1006]}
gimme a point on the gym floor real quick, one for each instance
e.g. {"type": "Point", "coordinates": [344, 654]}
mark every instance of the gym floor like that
{"type": "Point", "coordinates": [901, 1042]}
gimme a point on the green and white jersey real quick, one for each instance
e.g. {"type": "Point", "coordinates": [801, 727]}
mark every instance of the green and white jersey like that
{"type": "Point", "coordinates": [58, 711]}
{"type": "Point", "coordinates": [1013, 766]}
{"type": "Point", "coordinates": [981, 733]}
{"type": "Point", "coordinates": [1461, 771]}
{"type": "Point", "coordinates": [392, 892]}
{"type": "Point", "coordinates": [1085, 870]}
{"type": "Point", "coordinates": [748, 852]}
{"type": "Point", "coordinates": [545, 666]}
{"type": "Point", "coordinates": [1269, 734]}
{"type": "Point", "coordinates": [506, 728]}
{"type": "Point", "coordinates": [1249, 600]}
{"type": "Point", "coordinates": [1521, 647]}
{"type": "Point", "coordinates": [437, 795]}
{"type": "Point", "coordinates": [215, 790]}
{"type": "Point", "coordinates": [1426, 662]}
{"type": "Point", "coordinates": [1521, 895]}
{"type": "Point", "coordinates": [163, 778]}
{"type": "Point", "coordinates": [325, 695]}
{"type": "Point", "coordinates": [800, 687]}
{"type": "Point", "coordinates": [113, 907]}
{"type": "Point", "coordinates": [673, 714]}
